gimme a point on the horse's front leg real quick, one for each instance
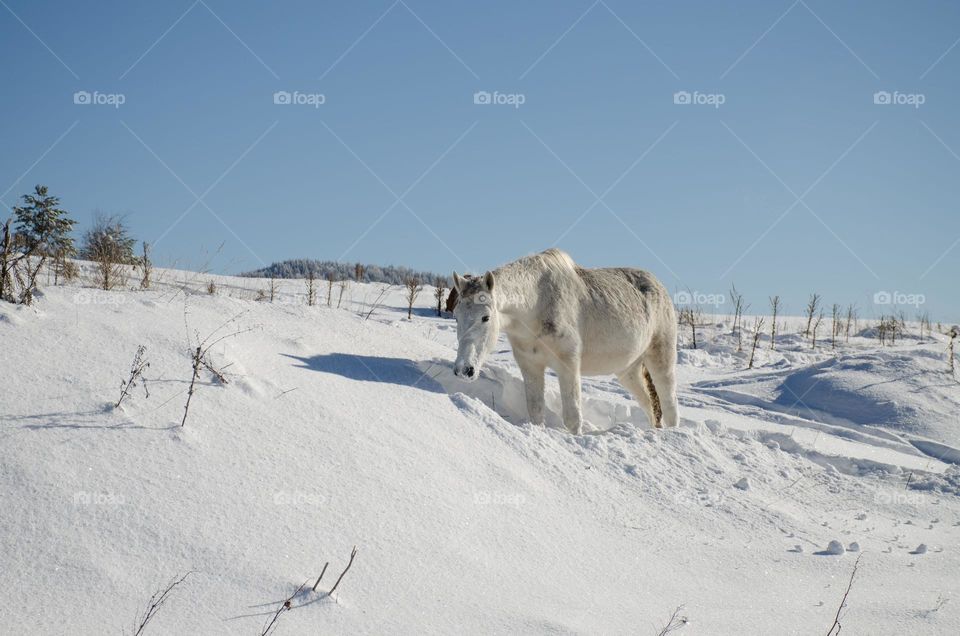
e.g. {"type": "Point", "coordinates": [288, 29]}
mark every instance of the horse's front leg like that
{"type": "Point", "coordinates": [532, 373]}
{"type": "Point", "coordinates": [568, 372]}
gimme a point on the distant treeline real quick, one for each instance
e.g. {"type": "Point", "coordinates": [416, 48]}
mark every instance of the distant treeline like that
{"type": "Point", "coordinates": [302, 267]}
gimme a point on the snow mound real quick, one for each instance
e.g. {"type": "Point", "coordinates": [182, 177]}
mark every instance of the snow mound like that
{"type": "Point", "coordinates": [896, 397]}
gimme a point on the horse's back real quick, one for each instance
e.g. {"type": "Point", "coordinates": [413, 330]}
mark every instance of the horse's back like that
{"type": "Point", "coordinates": [625, 286]}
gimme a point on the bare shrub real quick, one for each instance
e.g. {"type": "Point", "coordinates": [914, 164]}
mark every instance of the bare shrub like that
{"type": "Point", "coordinates": [414, 288]}
{"type": "Point", "coordinates": [849, 322]}
{"type": "Point", "coordinates": [757, 326]}
{"type": "Point", "coordinates": [10, 259]}
{"type": "Point", "coordinates": [211, 287]}
{"type": "Point", "coordinates": [136, 375]}
{"type": "Point", "coordinates": [63, 268]}
{"type": "Point", "coordinates": [774, 307]}
{"type": "Point", "coordinates": [834, 325]}
{"type": "Point", "coordinates": [691, 316]}
{"type": "Point", "coordinates": [200, 356]}
{"type": "Point", "coordinates": [953, 333]}
{"type": "Point", "coordinates": [109, 245]}
{"type": "Point", "coordinates": [155, 603]}
{"type": "Point", "coordinates": [737, 299]}
{"type": "Point", "coordinates": [145, 266]}
{"type": "Point", "coordinates": [924, 320]}
{"type": "Point", "coordinates": [439, 286]}
{"type": "Point", "coordinates": [812, 306]}
{"type": "Point", "coordinates": [344, 284]}
{"type": "Point", "coordinates": [816, 326]}
{"type": "Point", "coordinates": [311, 289]}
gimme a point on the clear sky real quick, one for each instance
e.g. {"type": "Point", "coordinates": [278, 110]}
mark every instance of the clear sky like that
{"type": "Point", "coordinates": [797, 182]}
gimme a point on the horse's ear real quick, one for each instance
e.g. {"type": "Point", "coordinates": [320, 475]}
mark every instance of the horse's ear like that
{"type": "Point", "coordinates": [488, 281]}
{"type": "Point", "coordinates": [458, 281]}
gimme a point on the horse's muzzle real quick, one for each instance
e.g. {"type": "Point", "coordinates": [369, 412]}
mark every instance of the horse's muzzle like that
{"type": "Point", "coordinates": [468, 372]}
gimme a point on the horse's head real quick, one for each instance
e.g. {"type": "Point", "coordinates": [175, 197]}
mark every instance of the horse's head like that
{"type": "Point", "coordinates": [478, 323]}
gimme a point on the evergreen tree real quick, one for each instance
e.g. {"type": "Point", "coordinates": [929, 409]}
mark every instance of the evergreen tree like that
{"type": "Point", "coordinates": [44, 228]}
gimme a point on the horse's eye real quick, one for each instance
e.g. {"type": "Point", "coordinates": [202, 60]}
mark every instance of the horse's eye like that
{"type": "Point", "coordinates": [485, 319]}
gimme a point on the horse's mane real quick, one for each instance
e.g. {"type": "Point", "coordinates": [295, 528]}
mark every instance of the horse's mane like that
{"type": "Point", "coordinates": [519, 279]}
{"type": "Point", "coordinates": [551, 259]}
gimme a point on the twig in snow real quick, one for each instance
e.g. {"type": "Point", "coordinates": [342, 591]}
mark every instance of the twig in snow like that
{"type": "Point", "coordinates": [321, 576]}
{"type": "Point", "coordinates": [378, 301]}
{"type": "Point", "coordinates": [136, 373]}
{"type": "Point", "coordinates": [200, 361]}
{"type": "Point", "coordinates": [676, 622]}
{"type": "Point", "coordinates": [156, 602]}
{"type": "Point", "coordinates": [353, 553]}
{"type": "Point", "coordinates": [843, 601]}
{"type": "Point", "coordinates": [286, 606]}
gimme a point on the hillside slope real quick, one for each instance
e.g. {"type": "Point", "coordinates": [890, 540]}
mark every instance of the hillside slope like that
{"type": "Point", "coordinates": [334, 431]}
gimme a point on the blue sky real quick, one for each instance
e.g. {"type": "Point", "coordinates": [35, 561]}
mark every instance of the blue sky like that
{"type": "Point", "coordinates": [797, 182]}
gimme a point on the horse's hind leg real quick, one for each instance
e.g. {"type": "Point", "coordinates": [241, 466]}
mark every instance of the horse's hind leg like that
{"type": "Point", "coordinates": [633, 381]}
{"type": "Point", "coordinates": [661, 361]}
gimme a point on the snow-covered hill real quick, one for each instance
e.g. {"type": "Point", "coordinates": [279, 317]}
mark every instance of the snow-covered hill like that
{"type": "Point", "coordinates": [343, 427]}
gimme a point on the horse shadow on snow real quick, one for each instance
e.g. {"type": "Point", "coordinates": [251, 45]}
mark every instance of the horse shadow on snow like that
{"type": "Point", "coordinates": [497, 388]}
{"type": "Point", "coordinates": [371, 369]}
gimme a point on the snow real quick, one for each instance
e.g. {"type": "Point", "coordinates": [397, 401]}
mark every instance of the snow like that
{"type": "Point", "coordinates": [835, 547]}
{"type": "Point", "coordinates": [336, 430]}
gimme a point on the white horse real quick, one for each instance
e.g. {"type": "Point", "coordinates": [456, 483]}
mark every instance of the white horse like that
{"type": "Point", "coordinates": [577, 322]}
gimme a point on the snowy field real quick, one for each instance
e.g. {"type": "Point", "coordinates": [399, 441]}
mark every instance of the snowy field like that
{"type": "Point", "coordinates": [345, 427]}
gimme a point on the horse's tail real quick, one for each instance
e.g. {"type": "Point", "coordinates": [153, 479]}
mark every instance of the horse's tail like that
{"type": "Point", "coordinates": [654, 398]}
